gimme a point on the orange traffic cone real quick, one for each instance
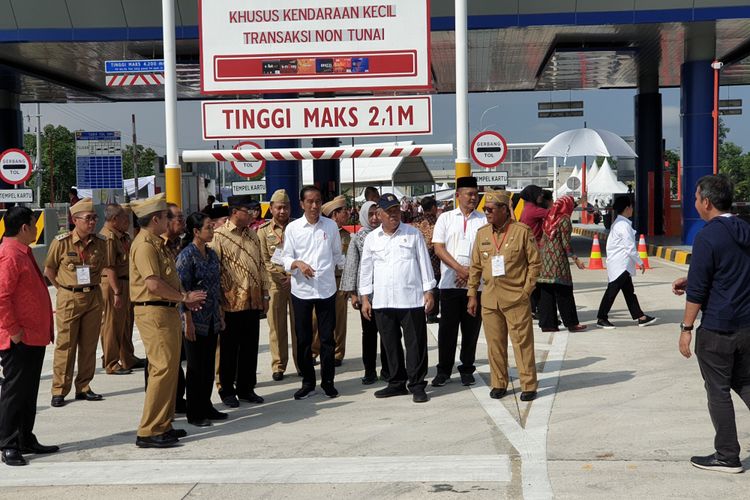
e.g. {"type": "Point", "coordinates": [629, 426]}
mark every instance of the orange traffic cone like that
{"type": "Point", "coordinates": [595, 261]}
{"type": "Point", "coordinates": [643, 252]}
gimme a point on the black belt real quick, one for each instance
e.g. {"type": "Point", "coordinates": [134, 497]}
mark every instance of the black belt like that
{"type": "Point", "coordinates": [158, 303]}
{"type": "Point", "coordinates": [125, 278]}
{"type": "Point", "coordinates": [83, 289]}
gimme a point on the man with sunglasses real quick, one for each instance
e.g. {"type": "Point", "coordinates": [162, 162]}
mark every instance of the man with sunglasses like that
{"type": "Point", "coordinates": [74, 265]}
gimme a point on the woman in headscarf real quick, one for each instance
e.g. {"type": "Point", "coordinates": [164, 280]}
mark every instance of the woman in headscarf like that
{"type": "Point", "coordinates": [368, 218]}
{"type": "Point", "coordinates": [555, 281]}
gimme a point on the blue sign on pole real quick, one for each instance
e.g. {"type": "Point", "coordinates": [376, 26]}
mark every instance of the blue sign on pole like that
{"type": "Point", "coordinates": [98, 160]}
{"type": "Point", "coordinates": [135, 66]}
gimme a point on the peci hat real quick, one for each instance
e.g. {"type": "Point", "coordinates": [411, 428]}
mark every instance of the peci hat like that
{"type": "Point", "coordinates": [280, 196]}
{"type": "Point", "coordinates": [337, 202]}
{"type": "Point", "coordinates": [218, 212]}
{"type": "Point", "coordinates": [85, 205]}
{"type": "Point", "coordinates": [142, 208]}
{"type": "Point", "coordinates": [499, 197]}
{"type": "Point", "coordinates": [466, 182]}
{"type": "Point", "coordinates": [241, 201]}
{"type": "Point", "coordinates": [387, 201]}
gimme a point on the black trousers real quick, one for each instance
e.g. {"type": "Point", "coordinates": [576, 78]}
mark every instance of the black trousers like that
{"type": "Point", "coordinates": [724, 361]}
{"type": "Point", "coordinates": [554, 297]}
{"type": "Point", "coordinates": [625, 283]}
{"type": "Point", "coordinates": [370, 348]}
{"type": "Point", "coordinates": [22, 367]}
{"type": "Point", "coordinates": [201, 370]}
{"type": "Point", "coordinates": [536, 296]}
{"type": "Point", "coordinates": [180, 395]}
{"type": "Point", "coordinates": [325, 311]}
{"type": "Point", "coordinates": [238, 353]}
{"type": "Point", "coordinates": [453, 315]}
{"type": "Point", "coordinates": [412, 321]}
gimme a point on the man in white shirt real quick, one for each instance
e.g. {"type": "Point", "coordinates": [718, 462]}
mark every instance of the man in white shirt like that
{"type": "Point", "coordinates": [622, 258]}
{"type": "Point", "coordinates": [453, 239]}
{"type": "Point", "coordinates": [396, 269]}
{"type": "Point", "coordinates": [312, 251]}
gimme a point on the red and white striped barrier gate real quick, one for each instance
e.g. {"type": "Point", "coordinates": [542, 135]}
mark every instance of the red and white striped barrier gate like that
{"type": "Point", "coordinates": [340, 153]}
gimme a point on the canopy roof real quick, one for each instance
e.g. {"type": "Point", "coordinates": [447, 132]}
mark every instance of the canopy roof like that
{"type": "Point", "coordinates": [606, 182]}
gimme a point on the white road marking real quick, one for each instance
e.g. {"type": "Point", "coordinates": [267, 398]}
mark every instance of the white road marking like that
{"type": "Point", "coordinates": [454, 468]}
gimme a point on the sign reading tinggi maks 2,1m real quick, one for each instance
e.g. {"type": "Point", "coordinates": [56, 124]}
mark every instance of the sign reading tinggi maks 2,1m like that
{"type": "Point", "coordinates": [294, 45]}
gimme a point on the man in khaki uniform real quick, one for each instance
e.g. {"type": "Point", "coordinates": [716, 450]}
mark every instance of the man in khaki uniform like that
{"type": "Point", "coordinates": [271, 235]}
{"type": "Point", "coordinates": [117, 345]}
{"type": "Point", "coordinates": [505, 256]}
{"type": "Point", "coordinates": [336, 211]}
{"type": "Point", "coordinates": [155, 292]}
{"type": "Point", "coordinates": [74, 265]}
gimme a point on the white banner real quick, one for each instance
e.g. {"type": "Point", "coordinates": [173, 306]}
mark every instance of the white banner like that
{"type": "Point", "coordinates": [248, 187]}
{"type": "Point", "coordinates": [343, 117]}
{"type": "Point", "coordinates": [321, 45]}
{"type": "Point", "coordinates": [16, 196]}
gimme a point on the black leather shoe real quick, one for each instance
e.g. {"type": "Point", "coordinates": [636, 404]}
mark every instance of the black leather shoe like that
{"type": "Point", "coordinates": [496, 393]}
{"type": "Point", "coordinates": [121, 371]}
{"type": "Point", "coordinates": [528, 395]}
{"type": "Point", "coordinates": [165, 440]}
{"type": "Point", "coordinates": [419, 396]}
{"type": "Point", "coordinates": [200, 422]}
{"type": "Point", "coordinates": [251, 397]}
{"type": "Point", "coordinates": [231, 401]}
{"type": "Point", "coordinates": [88, 396]}
{"type": "Point", "coordinates": [38, 448]}
{"type": "Point", "coordinates": [391, 391]}
{"type": "Point", "coordinates": [278, 376]}
{"type": "Point", "coordinates": [12, 456]}
{"type": "Point", "coordinates": [141, 363]}
{"type": "Point", "coordinates": [178, 433]}
{"type": "Point", "coordinates": [440, 380]}
{"type": "Point", "coordinates": [712, 463]}
{"type": "Point", "coordinates": [58, 401]}
{"type": "Point", "coordinates": [369, 379]}
{"type": "Point", "coordinates": [338, 362]}
{"type": "Point", "coordinates": [467, 379]}
{"type": "Point", "coordinates": [304, 393]}
{"type": "Point", "coordinates": [214, 414]}
{"type": "Point", "coordinates": [330, 390]}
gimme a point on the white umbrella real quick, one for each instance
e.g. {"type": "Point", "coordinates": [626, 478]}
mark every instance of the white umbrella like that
{"type": "Point", "coordinates": [586, 142]}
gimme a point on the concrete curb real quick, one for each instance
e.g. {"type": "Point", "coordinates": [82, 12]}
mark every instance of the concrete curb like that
{"type": "Point", "coordinates": [663, 252]}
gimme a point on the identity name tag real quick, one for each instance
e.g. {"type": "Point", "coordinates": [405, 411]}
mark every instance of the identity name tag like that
{"type": "Point", "coordinates": [83, 275]}
{"type": "Point", "coordinates": [464, 248]}
{"type": "Point", "coordinates": [498, 265]}
{"type": "Point", "coordinates": [276, 257]}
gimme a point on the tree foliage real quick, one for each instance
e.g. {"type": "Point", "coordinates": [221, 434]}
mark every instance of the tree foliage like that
{"type": "Point", "coordinates": [734, 164]}
{"type": "Point", "coordinates": [146, 158]}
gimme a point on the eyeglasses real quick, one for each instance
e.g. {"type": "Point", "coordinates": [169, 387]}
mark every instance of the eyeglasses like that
{"type": "Point", "coordinates": [89, 218]}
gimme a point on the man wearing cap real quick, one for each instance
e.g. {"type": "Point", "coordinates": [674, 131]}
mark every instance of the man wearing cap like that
{"type": "Point", "coordinates": [118, 357]}
{"type": "Point", "coordinates": [506, 258]}
{"type": "Point", "coordinates": [74, 265]}
{"type": "Point", "coordinates": [453, 238]}
{"type": "Point", "coordinates": [336, 211]}
{"type": "Point", "coordinates": [245, 289]}
{"type": "Point", "coordinates": [396, 269]}
{"type": "Point", "coordinates": [312, 251]}
{"type": "Point", "coordinates": [271, 236]}
{"type": "Point", "coordinates": [155, 292]}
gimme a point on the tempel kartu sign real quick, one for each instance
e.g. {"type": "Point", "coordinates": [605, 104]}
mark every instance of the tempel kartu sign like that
{"type": "Point", "coordinates": [293, 45]}
{"type": "Point", "coordinates": [343, 117]}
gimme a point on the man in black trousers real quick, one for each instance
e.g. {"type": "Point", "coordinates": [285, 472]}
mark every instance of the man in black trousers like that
{"type": "Point", "coordinates": [25, 330]}
{"type": "Point", "coordinates": [717, 286]}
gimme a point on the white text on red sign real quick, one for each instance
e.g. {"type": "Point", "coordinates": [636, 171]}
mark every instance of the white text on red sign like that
{"type": "Point", "coordinates": [345, 117]}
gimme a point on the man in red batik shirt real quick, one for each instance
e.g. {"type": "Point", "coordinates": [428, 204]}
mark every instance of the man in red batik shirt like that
{"type": "Point", "coordinates": [25, 330]}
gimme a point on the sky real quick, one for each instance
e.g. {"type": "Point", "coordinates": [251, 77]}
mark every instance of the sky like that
{"type": "Point", "coordinates": [512, 114]}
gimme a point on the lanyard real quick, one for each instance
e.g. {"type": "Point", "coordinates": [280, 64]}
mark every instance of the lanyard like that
{"type": "Point", "coordinates": [82, 254]}
{"type": "Point", "coordinates": [494, 239]}
{"type": "Point", "coordinates": [466, 219]}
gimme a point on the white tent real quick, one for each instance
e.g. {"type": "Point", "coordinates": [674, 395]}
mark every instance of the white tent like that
{"type": "Point", "coordinates": [385, 189]}
{"type": "Point", "coordinates": [446, 195]}
{"type": "Point", "coordinates": [605, 185]}
{"type": "Point", "coordinates": [564, 189]}
{"type": "Point", "coordinates": [146, 188]}
{"type": "Point", "coordinates": [379, 171]}
{"type": "Point", "coordinates": [592, 172]}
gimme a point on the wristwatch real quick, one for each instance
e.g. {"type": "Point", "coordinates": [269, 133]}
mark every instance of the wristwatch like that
{"type": "Point", "coordinates": [686, 328]}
